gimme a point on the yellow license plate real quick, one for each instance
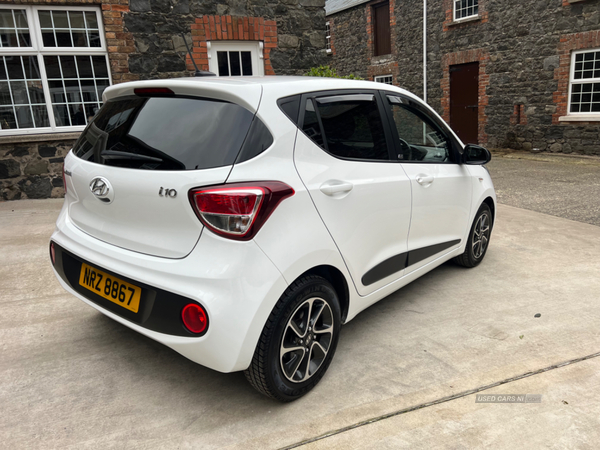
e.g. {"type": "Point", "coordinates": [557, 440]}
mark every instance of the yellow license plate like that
{"type": "Point", "coordinates": [111, 288]}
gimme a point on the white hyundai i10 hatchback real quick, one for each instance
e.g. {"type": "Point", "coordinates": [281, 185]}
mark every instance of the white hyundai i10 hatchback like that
{"type": "Point", "coordinates": [242, 221]}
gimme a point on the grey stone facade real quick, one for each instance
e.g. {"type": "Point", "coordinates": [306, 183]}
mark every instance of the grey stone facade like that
{"type": "Point", "coordinates": [156, 26]}
{"type": "Point", "coordinates": [524, 48]}
{"type": "Point", "coordinates": [33, 169]}
{"type": "Point", "coordinates": [350, 49]}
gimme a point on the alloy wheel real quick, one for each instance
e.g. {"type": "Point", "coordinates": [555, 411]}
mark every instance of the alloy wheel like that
{"type": "Point", "coordinates": [306, 340]}
{"type": "Point", "coordinates": [481, 235]}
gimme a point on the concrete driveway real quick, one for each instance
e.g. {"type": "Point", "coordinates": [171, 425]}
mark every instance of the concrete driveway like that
{"type": "Point", "coordinates": [560, 185]}
{"type": "Point", "coordinates": [405, 374]}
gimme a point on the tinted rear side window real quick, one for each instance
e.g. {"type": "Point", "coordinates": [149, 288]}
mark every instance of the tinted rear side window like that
{"type": "Point", "coordinates": [352, 125]}
{"type": "Point", "coordinates": [165, 133]}
{"type": "Point", "coordinates": [258, 139]}
{"type": "Point", "coordinates": [311, 124]}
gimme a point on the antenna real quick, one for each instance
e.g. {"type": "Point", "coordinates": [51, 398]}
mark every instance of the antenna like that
{"type": "Point", "coordinates": [199, 73]}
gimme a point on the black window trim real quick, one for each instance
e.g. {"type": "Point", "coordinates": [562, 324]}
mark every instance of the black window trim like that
{"type": "Point", "coordinates": [292, 111]}
{"type": "Point", "coordinates": [313, 100]}
{"type": "Point", "coordinates": [425, 115]}
{"type": "Point", "coordinates": [382, 113]}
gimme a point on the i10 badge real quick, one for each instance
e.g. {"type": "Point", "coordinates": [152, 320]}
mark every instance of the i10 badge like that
{"type": "Point", "coordinates": [166, 192]}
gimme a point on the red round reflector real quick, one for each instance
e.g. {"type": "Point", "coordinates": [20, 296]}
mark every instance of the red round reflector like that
{"type": "Point", "coordinates": [194, 318]}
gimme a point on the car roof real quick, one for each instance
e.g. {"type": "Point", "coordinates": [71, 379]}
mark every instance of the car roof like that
{"type": "Point", "coordinates": [247, 91]}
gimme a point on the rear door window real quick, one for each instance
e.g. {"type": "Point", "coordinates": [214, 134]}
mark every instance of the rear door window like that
{"type": "Point", "coordinates": [160, 133]}
{"type": "Point", "coordinates": [347, 126]}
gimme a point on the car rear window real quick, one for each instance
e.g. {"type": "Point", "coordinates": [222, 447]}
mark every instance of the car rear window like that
{"type": "Point", "coordinates": [159, 133]}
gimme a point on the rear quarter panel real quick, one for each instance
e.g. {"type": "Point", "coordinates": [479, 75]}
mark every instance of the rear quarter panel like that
{"type": "Point", "coordinates": [294, 238]}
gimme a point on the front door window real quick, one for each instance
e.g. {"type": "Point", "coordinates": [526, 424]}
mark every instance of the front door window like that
{"type": "Point", "coordinates": [418, 139]}
{"type": "Point", "coordinates": [441, 189]}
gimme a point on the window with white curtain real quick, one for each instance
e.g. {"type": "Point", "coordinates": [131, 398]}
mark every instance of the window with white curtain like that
{"type": "Point", "coordinates": [386, 79]}
{"type": "Point", "coordinates": [53, 68]}
{"type": "Point", "coordinates": [465, 8]}
{"type": "Point", "coordinates": [585, 82]}
{"type": "Point", "coordinates": [235, 58]}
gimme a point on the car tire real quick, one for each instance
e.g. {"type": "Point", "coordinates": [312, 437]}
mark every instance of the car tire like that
{"type": "Point", "coordinates": [293, 353]}
{"type": "Point", "coordinates": [479, 238]}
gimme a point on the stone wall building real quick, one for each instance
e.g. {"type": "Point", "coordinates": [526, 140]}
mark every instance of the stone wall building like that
{"type": "Point", "coordinates": [524, 75]}
{"type": "Point", "coordinates": [57, 57]}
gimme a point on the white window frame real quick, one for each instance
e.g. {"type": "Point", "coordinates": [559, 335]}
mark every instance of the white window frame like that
{"type": "Point", "coordinates": [460, 19]}
{"type": "Point", "coordinates": [328, 36]}
{"type": "Point", "coordinates": [381, 78]}
{"type": "Point", "coordinates": [37, 49]}
{"type": "Point", "coordinates": [572, 81]}
{"type": "Point", "coordinates": [254, 47]}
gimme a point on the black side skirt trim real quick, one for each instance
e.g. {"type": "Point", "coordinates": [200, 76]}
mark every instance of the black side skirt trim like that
{"type": "Point", "coordinates": [403, 260]}
{"type": "Point", "coordinates": [385, 269]}
{"type": "Point", "coordinates": [418, 255]}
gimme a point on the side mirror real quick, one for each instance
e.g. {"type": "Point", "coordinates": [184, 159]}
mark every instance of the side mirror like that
{"type": "Point", "coordinates": [476, 155]}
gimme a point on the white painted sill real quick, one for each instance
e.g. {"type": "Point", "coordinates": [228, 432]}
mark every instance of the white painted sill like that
{"type": "Point", "coordinates": [45, 137]}
{"type": "Point", "coordinates": [580, 118]}
{"type": "Point", "coordinates": [465, 20]}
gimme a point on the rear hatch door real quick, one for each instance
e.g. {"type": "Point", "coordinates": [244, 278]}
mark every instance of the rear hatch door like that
{"type": "Point", "coordinates": [129, 174]}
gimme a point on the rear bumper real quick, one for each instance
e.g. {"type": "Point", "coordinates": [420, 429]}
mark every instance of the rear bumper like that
{"type": "Point", "coordinates": [234, 281]}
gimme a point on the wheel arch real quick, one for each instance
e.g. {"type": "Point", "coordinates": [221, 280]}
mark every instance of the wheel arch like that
{"type": "Point", "coordinates": [490, 202]}
{"type": "Point", "coordinates": [339, 283]}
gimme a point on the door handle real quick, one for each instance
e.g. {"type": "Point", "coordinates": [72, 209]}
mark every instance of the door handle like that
{"type": "Point", "coordinates": [424, 180]}
{"type": "Point", "coordinates": [333, 187]}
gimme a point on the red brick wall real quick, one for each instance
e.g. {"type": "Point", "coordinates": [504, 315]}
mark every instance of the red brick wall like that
{"type": "Point", "coordinates": [376, 68]}
{"type": "Point", "coordinates": [464, 57]}
{"type": "Point", "coordinates": [371, 29]}
{"type": "Point", "coordinates": [518, 116]}
{"type": "Point", "coordinates": [118, 42]}
{"type": "Point", "coordinates": [384, 69]}
{"type": "Point", "coordinates": [331, 43]}
{"type": "Point", "coordinates": [569, 43]}
{"type": "Point", "coordinates": [217, 28]}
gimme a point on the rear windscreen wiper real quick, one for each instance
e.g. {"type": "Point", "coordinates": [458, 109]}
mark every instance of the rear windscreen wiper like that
{"type": "Point", "coordinates": [116, 154]}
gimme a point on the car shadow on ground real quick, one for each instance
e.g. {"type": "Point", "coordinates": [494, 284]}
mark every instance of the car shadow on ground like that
{"type": "Point", "coordinates": [166, 369]}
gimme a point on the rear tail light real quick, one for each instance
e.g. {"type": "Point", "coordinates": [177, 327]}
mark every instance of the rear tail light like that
{"type": "Point", "coordinates": [64, 179]}
{"type": "Point", "coordinates": [194, 318]}
{"type": "Point", "coordinates": [238, 210]}
{"type": "Point", "coordinates": [52, 253]}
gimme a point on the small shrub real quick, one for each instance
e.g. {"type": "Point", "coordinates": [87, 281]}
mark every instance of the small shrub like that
{"type": "Point", "coordinates": [328, 72]}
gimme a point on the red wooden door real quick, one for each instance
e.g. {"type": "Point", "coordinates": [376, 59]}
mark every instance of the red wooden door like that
{"type": "Point", "coordinates": [381, 14]}
{"type": "Point", "coordinates": [464, 100]}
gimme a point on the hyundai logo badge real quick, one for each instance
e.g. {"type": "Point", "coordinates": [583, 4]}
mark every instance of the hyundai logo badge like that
{"type": "Point", "coordinates": [102, 189]}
